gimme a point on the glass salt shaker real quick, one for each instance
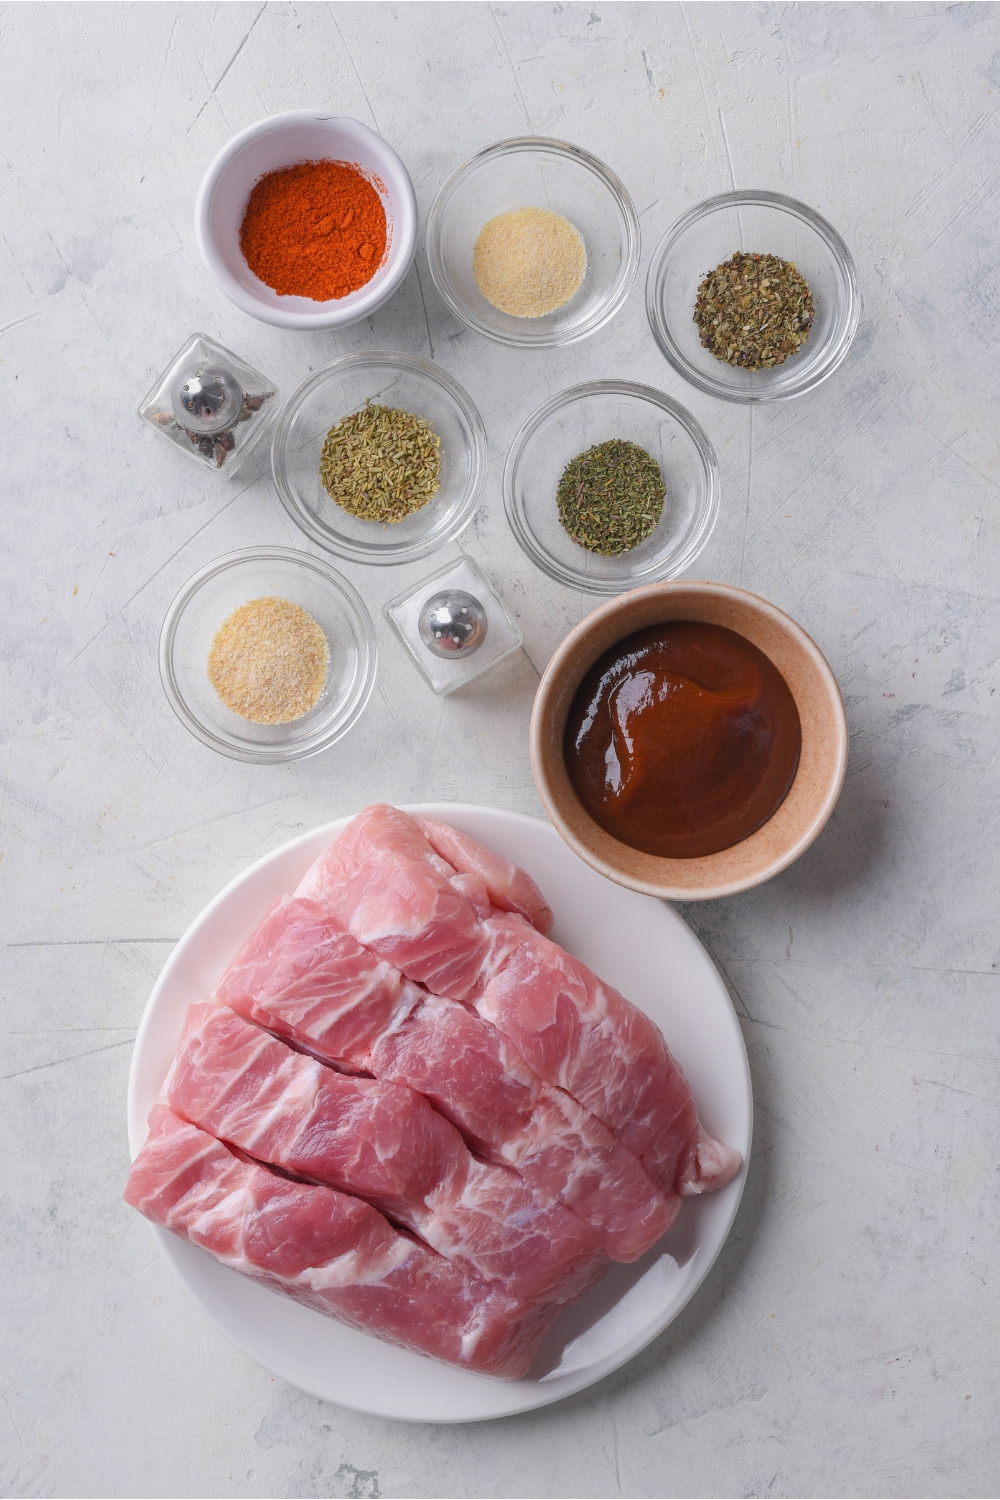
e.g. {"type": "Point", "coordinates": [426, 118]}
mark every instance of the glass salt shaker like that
{"type": "Point", "coordinates": [454, 625]}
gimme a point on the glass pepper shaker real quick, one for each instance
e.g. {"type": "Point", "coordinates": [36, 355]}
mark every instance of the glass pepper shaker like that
{"type": "Point", "coordinates": [211, 403]}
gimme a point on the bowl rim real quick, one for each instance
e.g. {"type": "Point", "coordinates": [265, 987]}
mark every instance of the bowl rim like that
{"type": "Point", "coordinates": [549, 684]}
{"type": "Point", "coordinates": [692, 427]}
{"type": "Point", "coordinates": [836, 351]}
{"type": "Point", "coordinates": [328, 314]}
{"type": "Point", "coordinates": [551, 338]}
{"type": "Point", "coordinates": [364, 634]}
{"type": "Point", "coordinates": [478, 447]}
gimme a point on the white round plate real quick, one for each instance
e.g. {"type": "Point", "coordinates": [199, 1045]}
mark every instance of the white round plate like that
{"type": "Point", "coordinates": [638, 944]}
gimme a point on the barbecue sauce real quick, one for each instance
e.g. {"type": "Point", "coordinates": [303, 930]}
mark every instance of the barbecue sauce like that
{"type": "Point", "coordinates": [682, 739]}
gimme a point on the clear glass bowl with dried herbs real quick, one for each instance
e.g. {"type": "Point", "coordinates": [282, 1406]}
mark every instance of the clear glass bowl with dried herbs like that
{"type": "Point", "coordinates": [652, 510]}
{"type": "Point", "coordinates": [693, 266]}
{"type": "Point", "coordinates": [398, 440]}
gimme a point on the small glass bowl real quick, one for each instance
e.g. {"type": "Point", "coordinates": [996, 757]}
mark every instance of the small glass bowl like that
{"type": "Point", "coordinates": [578, 419]}
{"type": "Point", "coordinates": [754, 222]}
{"type": "Point", "coordinates": [530, 172]}
{"type": "Point", "coordinates": [210, 597]}
{"type": "Point", "coordinates": [400, 380]}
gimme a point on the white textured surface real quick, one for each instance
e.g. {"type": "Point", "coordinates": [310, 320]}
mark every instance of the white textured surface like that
{"type": "Point", "coordinates": [846, 1340]}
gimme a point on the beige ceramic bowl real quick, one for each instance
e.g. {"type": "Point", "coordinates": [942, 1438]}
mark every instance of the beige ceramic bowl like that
{"type": "Point", "coordinates": [818, 779]}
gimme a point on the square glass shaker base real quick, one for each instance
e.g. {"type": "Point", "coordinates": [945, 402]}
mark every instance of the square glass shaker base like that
{"type": "Point", "coordinates": [156, 408]}
{"type": "Point", "coordinates": [445, 674]}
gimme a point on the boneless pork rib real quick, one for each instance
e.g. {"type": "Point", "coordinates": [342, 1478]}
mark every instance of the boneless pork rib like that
{"type": "Point", "coordinates": [304, 977]}
{"type": "Point", "coordinates": [583, 1035]}
{"type": "Point", "coordinates": [507, 886]}
{"type": "Point", "coordinates": [301, 976]}
{"type": "Point", "coordinates": [331, 1252]}
{"type": "Point", "coordinates": [404, 1006]}
{"type": "Point", "coordinates": [382, 1142]}
{"type": "Point", "coordinates": [386, 883]}
{"type": "Point", "coordinates": [476, 1077]}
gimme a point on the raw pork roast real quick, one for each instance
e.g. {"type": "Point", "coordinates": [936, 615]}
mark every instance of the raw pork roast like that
{"type": "Point", "coordinates": [410, 1109]}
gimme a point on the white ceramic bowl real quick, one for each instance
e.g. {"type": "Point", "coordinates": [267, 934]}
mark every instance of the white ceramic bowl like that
{"type": "Point", "coordinates": [281, 141]}
{"type": "Point", "coordinates": [639, 945]}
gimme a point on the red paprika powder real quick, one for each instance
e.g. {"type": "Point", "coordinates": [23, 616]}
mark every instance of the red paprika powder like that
{"type": "Point", "coordinates": [314, 230]}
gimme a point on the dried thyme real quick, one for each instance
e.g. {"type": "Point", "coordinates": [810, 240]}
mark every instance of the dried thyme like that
{"type": "Point", "coordinates": [381, 463]}
{"type": "Point", "coordinates": [754, 311]}
{"type": "Point", "coordinates": [610, 498]}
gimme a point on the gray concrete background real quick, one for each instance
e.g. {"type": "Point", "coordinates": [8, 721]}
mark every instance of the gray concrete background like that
{"type": "Point", "coordinates": [846, 1341]}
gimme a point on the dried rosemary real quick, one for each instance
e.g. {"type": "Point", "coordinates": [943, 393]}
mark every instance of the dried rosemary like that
{"type": "Point", "coordinates": [381, 463]}
{"type": "Point", "coordinates": [754, 311]}
{"type": "Point", "coordinates": [611, 497]}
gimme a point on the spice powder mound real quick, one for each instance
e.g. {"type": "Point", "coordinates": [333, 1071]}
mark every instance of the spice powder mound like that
{"type": "Point", "coordinates": [268, 661]}
{"type": "Point", "coordinates": [314, 230]}
{"type": "Point", "coordinates": [381, 463]}
{"type": "Point", "coordinates": [529, 262]}
{"type": "Point", "coordinates": [754, 311]}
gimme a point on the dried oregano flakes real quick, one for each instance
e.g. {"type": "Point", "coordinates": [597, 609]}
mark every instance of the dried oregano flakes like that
{"type": "Point", "coordinates": [754, 311]}
{"type": "Point", "coordinates": [381, 463]}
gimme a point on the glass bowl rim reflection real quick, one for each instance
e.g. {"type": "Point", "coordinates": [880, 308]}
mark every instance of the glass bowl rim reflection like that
{"type": "Point", "coordinates": [656, 573]}
{"type": "Point", "coordinates": [348, 712]}
{"type": "Point", "coordinates": [823, 363]}
{"type": "Point", "coordinates": [621, 286]}
{"type": "Point", "coordinates": [426, 542]}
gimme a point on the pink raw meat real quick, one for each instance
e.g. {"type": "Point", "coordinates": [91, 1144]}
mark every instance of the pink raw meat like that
{"type": "Point", "coordinates": [475, 1077]}
{"type": "Point", "coordinates": [329, 1251]}
{"type": "Point", "coordinates": [383, 1142]}
{"type": "Point", "coordinates": [508, 886]}
{"type": "Point", "coordinates": [302, 975]}
{"type": "Point", "coordinates": [580, 1034]}
{"type": "Point", "coordinates": [299, 976]}
{"type": "Point", "coordinates": [382, 880]}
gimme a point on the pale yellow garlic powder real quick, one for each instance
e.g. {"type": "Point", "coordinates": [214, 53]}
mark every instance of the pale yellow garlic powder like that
{"type": "Point", "coordinates": [529, 262]}
{"type": "Point", "coordinates": [268, 661]}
